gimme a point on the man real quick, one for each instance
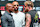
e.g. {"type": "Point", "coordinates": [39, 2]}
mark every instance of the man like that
{"type": "Point", "coordinates": [30, 14]}
{"type": "Point", "coordinates": [7, 19]}
{"type": "Point", "coordinates": [19, 17]}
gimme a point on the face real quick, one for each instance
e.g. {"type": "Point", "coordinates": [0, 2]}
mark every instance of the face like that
{"type": "Point", "coordinates": [15, 5]}
{"type": "Point", "coordinates": [10, 7]}
{"type": "Point", "coordinates": [26, 7]}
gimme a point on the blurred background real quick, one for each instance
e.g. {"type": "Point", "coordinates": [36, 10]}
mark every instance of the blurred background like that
{"type": "Point", "coordinates": [21, 6]}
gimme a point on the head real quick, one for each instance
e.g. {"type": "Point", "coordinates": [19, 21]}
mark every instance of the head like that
{"type": "Point", "coordinates": [15, 5]}
{"type": "Point", "coordinates": [9, 7]}
{"type": "Point", "coordinates": [28, 5]}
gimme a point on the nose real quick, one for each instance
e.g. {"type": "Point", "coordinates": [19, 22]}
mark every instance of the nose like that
{"type": "Point", "coordinates": [16, 5]}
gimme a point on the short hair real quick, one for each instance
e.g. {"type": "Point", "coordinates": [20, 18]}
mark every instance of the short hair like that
{"type": "Point", "coordinates": [29, 3]}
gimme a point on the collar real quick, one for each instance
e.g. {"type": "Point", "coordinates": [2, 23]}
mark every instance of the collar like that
{"type": "Point", "coordinates": [7, 12]}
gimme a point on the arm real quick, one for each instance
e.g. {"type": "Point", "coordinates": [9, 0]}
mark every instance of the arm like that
{"type": "Point", "coordinates": [3, 21]}
{"type": "Point", "coordinates": [28, 20]}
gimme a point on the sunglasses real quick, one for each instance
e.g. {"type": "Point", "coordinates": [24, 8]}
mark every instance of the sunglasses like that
{"type": "Point", "coordinates": [16, 5]}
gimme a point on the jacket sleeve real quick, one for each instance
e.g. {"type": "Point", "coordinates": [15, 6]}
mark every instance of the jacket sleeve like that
{"type": "Point", "coordinates": [4, 21]}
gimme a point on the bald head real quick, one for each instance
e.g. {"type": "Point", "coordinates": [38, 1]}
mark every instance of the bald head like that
{"type": "Point", "coordinates": [15, 5]}
{"type": "Point", "coordinates": [9, 7]}
{"type": "Point", "coordinates": [15, 2]}
{"type": "Point", "coordinates": [8, 4]}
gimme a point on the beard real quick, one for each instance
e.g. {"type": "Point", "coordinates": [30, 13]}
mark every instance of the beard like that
{"type": "Point", "coordinates": [27, 10]}
{"type": "Point", "coordinates": [10, 11]}
{"type": "Point", "coordinates": [16, 9]}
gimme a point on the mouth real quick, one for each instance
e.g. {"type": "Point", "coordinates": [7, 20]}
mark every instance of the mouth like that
{"type": "Point", "coordinates": [16, 8]}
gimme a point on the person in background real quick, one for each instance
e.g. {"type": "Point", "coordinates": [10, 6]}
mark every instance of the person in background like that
{"type": "Point", "coordinates": [0, 18]}
{"type": "Point", "coordinates": [19, 17]}
{"type": "Point", "coordinates": [30, 13]}
{"type": "Point", "coordinates": [7, 19]}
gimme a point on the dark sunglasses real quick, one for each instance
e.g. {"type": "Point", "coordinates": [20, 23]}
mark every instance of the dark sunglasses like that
{"type": "Point", "coordinates": [16, 5]}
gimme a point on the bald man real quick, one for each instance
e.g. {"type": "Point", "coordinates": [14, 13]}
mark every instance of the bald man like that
{"type": "Point", "coordinates": [7, 19]}
{"type": "Point", "coordinates": [19, 17]}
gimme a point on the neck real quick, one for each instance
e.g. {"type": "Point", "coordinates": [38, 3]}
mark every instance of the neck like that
{"type": "Point", "coordinates": [16, 11]}
{"type": "Point", "coordinates": [8, 11]}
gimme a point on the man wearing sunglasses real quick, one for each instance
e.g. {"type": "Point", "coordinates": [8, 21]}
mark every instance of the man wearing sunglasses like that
{"type": "Point", "coordinates": [19, 17]}
{"type": "Point", "coordinates": [30, 13]}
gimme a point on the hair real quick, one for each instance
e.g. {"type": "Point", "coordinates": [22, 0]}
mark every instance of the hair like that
{"type": "Point", "coordinates": [29, 3]}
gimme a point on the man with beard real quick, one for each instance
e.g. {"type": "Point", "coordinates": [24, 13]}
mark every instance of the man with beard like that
{"type": "Point", "coordinates": [19, 17]}
{"type": "Point", "coordinates": [30, 14]}
{"type": "Point", "coordinates": [7, 19]}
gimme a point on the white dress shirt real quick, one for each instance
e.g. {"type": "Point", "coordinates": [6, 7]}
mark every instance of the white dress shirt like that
{"type": "Point", "coordinates": [19, 19]}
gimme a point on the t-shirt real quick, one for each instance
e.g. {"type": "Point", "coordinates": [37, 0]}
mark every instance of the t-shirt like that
{"type": "Point", "coordinates": [19, 19]}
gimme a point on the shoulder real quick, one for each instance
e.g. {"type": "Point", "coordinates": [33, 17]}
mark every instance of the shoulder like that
{"type": "Point", "coordinates": [4, 16]}
{"type": "Point", "coordinates": [22, 13]}
{"type": "Point", "coordinates": [28, 15]}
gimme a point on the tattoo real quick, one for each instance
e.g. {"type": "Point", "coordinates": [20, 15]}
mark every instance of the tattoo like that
{"type": "Point", "coordinates": [29, 23]}
{"type": "Point", "coordinates": [27, 20]}
{"type": "Point", "coordinates": [27, 16]}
